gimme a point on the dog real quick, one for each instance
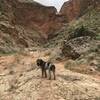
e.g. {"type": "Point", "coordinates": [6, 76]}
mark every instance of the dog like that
{"type": "Point", "coordinates": [44, 66]}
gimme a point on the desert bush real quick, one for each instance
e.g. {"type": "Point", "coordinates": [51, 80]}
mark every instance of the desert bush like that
{"type": "Point", "coordinates": [97, 37]}
{"type": "Point", "coordinates": [98, 67]}
{"type": "Point", "coordinates": [81, 31]}
{"type": "Point", "coordinates": [81, 61]}
{"type": "Point", "coordinates": [47, 53]}
{"type": "Point", "coordinates": [70, 64]}
{"type": "Point", "coordinates": [4, 53]}
{"type": "Point", "coordinates": [56, 55]}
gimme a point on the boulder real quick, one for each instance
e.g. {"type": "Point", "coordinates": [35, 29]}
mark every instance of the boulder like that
{"type": "Point", "coordinates": [75, 47]}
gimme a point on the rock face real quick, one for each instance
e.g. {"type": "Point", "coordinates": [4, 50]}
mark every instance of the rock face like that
{"type": "Point", "coordinates": [13, 36]}
{"type": "Point", "coordinates": [35, 16]}
{"type": "Point", "coordinates": [73, 9]}
{"type": "Point", "coordinates": [43, 19]}
{"type": "Point", "coordinates": [32, 15]}
{"type": "Point", "coordinates": [25, 24]}
{"type": "Point", "coordinates": [75, 47]}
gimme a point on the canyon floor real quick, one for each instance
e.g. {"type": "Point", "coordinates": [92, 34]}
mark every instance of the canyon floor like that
{"type": "Point", "coordinates": [21, 80]}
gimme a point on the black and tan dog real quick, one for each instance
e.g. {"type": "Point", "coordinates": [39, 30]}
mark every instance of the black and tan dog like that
{"type": "Point", "coordinates": [46, 66]}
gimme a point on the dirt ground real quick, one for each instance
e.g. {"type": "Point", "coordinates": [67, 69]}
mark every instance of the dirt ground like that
{"type": "Point", "coordinates": [21, 80]}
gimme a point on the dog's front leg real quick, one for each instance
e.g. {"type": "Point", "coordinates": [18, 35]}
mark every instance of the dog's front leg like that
{"type": "Point", "coordinates": [42, 73]}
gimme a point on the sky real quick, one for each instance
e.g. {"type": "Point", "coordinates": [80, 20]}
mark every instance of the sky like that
{"type": "Point", "coordinates": [56, 3]}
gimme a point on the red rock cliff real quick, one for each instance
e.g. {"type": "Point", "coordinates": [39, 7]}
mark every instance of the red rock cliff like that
{"type": "Point", "coordinates": [73, 9]}
{"type": "Point", "coordinates": [32, 15]}
{"type": "Point", "coordinates": [35, 16]}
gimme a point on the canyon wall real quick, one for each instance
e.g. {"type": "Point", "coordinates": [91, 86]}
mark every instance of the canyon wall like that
{"type": "Point", "coordinates": [38, 17]}
{"type": "Point", "coordinates": [73, 9]}
{"type": "Point", "coordinates": [25, 23]}
{"type": "Point", "coordinates": [34, 16]}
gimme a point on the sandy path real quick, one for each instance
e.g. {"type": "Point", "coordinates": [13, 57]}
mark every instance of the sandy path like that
{"type": "Point", "coordinates": [19, 80]}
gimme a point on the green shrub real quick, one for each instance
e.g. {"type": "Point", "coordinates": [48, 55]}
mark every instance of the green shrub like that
{"type": "Point", "coordinates": [97, 37]}
{"type": "Point", "coordinates": [70, 64]}
{"type": "Point", "coordinates": [3, 53]}
{"type": "Point", "coordinates": [81, 31]}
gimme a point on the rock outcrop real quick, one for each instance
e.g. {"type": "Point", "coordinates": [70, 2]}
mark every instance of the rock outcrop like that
{"type": "Point", "coordinates": [35, 16]}
{"type": "Point", "coordinates": [32, 15]}
{"type": "Point", "coordinates": [75, 47]}
{"type": "Point", "coordinates": [73, 9]}
{"type": "Point", "coordinates": [38, 17]}
{"type": "Point", "coordinates": [25, 24]}
{"type": "Point", "coordinates": [13, 37]}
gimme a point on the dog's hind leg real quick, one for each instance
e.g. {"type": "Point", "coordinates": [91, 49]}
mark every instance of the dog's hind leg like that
{"type": "Point", "coordinates": [45, 74]}
{"type": "Point", "coordinates": [54, 75]}
{"type": "Point", "coordinates": [53, 70]}
{"type": "Point", "coordinates": [49, 75]}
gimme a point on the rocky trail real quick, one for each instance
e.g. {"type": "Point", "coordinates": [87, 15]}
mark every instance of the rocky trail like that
{"type": "Point", "coordinates": [21, 80]}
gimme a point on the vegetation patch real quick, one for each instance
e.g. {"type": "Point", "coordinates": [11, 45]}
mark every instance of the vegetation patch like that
{"type": "Point", "coordinates": [81, 31]}
{"type": "Point", "coordinates": [98, 37]}
{"type": "Point", "coordinates": [3, 53]}
{"type": "Point", "coordinates": [70, 64]}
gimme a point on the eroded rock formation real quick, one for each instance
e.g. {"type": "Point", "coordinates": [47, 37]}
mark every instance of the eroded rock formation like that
{"type": "Point", "coordinates": [73, 9]}
{"type": "Point", "coordinates": [22, 23]}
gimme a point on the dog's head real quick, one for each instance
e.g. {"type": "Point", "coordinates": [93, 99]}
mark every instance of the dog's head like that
{"type": "Point", "coordinates": [39, 62]}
